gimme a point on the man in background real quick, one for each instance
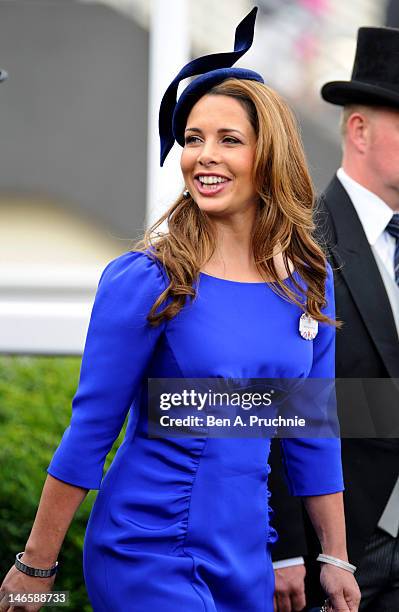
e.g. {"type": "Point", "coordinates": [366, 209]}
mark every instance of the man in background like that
{"type": "Point", "coordinates": [392, 14]}
{"type": "Point", "coordinates": [358, 220]}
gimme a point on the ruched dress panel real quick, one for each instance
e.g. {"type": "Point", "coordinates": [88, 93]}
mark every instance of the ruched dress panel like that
{"type": "Point", "coordinates": [182, 524]}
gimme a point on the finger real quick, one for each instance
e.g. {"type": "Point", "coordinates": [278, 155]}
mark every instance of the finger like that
{"type": "Point", "coordinates": [275, 609]}
{"type": "Point", "coordinates": [284, 602]}
{"type": "Point", "coordinates": [338, 603]}
{"type": "Point", "coordinates": [353, 603]}
{"type": "Point", "coordinates": [298, 601]}
{"type": "Point", "coordinates": [3, 601]}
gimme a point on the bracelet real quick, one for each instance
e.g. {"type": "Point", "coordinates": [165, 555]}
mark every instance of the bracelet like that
{"type": "Point", "coordinates": [337, 562]}
{"type": "Point", "coordinates": [34, 571]}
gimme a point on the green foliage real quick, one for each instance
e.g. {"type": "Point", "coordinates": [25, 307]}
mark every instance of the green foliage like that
{"type": "Point", "coordinates": [35, 408]}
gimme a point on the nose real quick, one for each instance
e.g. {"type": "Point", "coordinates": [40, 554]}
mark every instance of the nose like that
{"type": "Point", "coordinates": [208, 154]}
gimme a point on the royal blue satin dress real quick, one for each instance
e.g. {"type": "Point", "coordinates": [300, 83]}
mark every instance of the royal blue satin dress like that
{"type": "Point", "coordinates": [182, 524]}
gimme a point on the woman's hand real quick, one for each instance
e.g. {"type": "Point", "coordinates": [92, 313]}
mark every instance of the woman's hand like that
{"type": "Point", "coordinates": [18, 582]}
{"type": "Point", "coordinates": [58, 504]}
{"type": "Point", "coordinates": [341, 588]}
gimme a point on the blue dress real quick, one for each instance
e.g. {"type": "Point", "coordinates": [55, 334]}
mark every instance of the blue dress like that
{"type": "Point", "coordinates": [182, 524]}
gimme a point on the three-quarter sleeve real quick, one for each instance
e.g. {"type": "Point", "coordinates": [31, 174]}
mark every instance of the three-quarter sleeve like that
{"type": "Point", "coordinates": [118, 347]}
{"type": "Point", "coordinates": [313, 465]}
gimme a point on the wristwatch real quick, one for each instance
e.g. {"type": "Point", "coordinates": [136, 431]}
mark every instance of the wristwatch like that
{"type": "Point", "coordinates": [34, 571]}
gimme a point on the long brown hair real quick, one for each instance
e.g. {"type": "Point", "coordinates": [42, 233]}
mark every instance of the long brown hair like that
{"type": "Point", "coordinates": [284, 217]}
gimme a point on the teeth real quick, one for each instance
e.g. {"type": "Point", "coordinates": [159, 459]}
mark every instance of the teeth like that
{"type": "Point", "coordinates": [211, 180]}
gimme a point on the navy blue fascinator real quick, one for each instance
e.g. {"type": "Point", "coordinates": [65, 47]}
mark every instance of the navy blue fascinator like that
{"type": "Point", "coordinates": [213, 69]}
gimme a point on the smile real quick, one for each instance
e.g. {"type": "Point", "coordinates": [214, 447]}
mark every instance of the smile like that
{"type": "Point", "coordinates": [210, 185]}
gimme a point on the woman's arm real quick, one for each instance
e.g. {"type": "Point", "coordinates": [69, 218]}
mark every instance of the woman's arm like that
{"type": "Point", "coordinates": [58, 504]}
{"type": "Point", "coordinates": [118, 348]}
{"type": "Point", "coordinates": [327, 515]}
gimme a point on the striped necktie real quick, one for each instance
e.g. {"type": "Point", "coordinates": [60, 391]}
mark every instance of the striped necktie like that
{"type": "Point", "coordinates": [393, 229]}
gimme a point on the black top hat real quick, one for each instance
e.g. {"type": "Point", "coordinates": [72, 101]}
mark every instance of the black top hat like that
{"type": "Point", "coordinates": [375, 76]}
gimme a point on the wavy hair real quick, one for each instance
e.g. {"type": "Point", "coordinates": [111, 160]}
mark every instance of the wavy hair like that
{"type": "Point", "coordinates": [284, 221]}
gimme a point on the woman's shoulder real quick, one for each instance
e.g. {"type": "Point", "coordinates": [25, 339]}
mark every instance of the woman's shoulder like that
{"type": "Point", "coordinates": [138, 269]}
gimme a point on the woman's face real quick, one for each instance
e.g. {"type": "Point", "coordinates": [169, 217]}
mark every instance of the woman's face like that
{"type": "Point", "coordinates": [218, 156]}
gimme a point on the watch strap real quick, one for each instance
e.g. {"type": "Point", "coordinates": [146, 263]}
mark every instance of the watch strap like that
{"type": "Point", "coordinates": [34, 571]}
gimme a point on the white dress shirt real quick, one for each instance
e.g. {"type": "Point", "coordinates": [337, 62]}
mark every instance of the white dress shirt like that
{"type": "Point", "coordinates": [374, 216]}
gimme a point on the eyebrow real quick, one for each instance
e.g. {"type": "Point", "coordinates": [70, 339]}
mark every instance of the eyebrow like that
{"type": "Point", "coordinates": [220, 131]}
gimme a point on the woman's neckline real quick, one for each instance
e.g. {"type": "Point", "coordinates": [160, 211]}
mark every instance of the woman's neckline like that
{"type": "Point", "coordinates": [236, 282]}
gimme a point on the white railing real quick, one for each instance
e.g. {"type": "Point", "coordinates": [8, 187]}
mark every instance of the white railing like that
{"type": "Point", "coordinates": [45, 310]}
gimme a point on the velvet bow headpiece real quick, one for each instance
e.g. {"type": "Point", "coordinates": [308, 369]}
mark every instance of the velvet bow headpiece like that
{"type": "Point", "coordinates": [213, 69]}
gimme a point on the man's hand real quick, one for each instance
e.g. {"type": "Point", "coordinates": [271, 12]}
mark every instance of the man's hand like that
{"type": "Point", "coordinates": [290, 589]}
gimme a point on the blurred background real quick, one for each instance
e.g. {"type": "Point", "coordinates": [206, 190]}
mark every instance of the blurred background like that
{"type": "Point", "coordinates": [79, 171]}
{"type": "Point", "coordinates": [80, 178]}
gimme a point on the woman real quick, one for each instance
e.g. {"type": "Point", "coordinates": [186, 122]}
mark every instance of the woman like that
{"type": "Point", "coordinates": [182, 523]}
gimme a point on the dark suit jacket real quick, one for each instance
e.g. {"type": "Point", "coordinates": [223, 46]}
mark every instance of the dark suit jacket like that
{"type": "Point", "coordinates": [367, 346]}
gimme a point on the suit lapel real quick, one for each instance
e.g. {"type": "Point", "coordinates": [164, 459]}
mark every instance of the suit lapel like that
{"type": "Point", "coordinates": [361, 274]}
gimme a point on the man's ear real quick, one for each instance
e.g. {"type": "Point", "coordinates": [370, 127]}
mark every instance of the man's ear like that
{"type": "Point", "coordinates": [358, 130]}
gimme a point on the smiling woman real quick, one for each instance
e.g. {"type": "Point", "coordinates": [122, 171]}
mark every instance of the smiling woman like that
{"type": "Point", "coordinates": [247, 188]}
{"type": "Point", "coordinates": [182, 524]}
{"type": "Point", "coordinates": [219, 161]}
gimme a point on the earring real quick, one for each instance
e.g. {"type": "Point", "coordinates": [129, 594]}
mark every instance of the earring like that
{"type": "Point", "coordinates": [186, 193]}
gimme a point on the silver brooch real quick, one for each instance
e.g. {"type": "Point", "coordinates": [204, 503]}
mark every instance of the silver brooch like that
{"type": "Point", "coordinates": [308, 327]}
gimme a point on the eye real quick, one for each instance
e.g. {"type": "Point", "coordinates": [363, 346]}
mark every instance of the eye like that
{"type": "Point", "coordinates": [231, 140]}
{"type": "Point", "coordinates": [189, 139]}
